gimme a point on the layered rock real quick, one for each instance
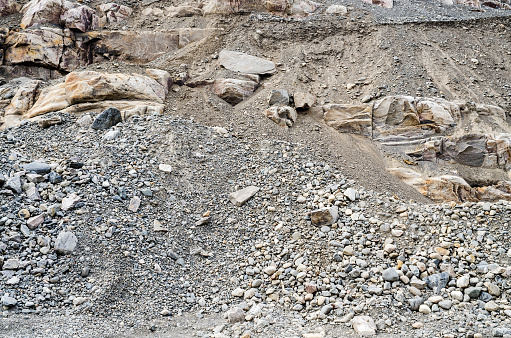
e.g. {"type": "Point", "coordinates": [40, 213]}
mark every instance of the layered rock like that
{"type": "Point", "coordinates": [471, 142]}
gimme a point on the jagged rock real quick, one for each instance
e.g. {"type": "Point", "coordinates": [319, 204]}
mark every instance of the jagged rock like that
{"type": "Point", "coordinates": [65, 243]}
{"type": "Point", "coordinates": [14, 184]}
{"type": "Point", "coordinates": [349, 118]}
{"type": "Point", "coordinates": [38, 12]}
{"type": "Point", "coordinates": [79, 17]}
{"type": "Point", "coordinates": [8, 7]}
{"type": "Point", "coordinates": [364, 325]}
{"type": "Point", "coordinates": [107, 119]}
{"type": "Point", "coordinates": [162, 76]}
{"type": "Point", "coordinates": [21, 102]}
{"type": "Point", "coordinates": [239, 197]}
{"type": "Point", "coordinates": [233, 90]}
{"type": "Point", "coordinates": [304, 100]}
{"type": "Point", "coordinates": [279, 97]}
{"type": "Point", "coordinates": [284, 116]}
{"type": "Point", "coordinates": [244, 63]}
{"type": "Point", "coordinates": [114, 13]}
{"type": "Point", "coordinates": [51, 99]}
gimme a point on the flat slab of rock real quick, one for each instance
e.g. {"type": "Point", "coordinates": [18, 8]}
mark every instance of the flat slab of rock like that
{"type": "Point", "coordinates": [364, 325]}
{"type": "Point", "coordinates": [37, 167]}
{"type": "Point", "coordinates": [239, 197]}
{"type": "Point", "coordinates": [244, 63]}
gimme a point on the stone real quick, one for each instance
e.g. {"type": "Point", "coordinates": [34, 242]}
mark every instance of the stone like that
{"type": "Point", "coordinates": [493, 289]}
{"type": "Point", "coordinates": [415, 303]}
{"type": "Point", "coordinates": [115, 13]}
{"type": "Point", "coordinates": [491, 306]}
{"type": "Point", "coordinates": [337, 10]}
{"type": "Point", "coordinates": [233, 91]}
{"type": "Point", "coordinates": [463, 281]}
{"type": "Point", "coordinates": [69, 202]}
{"type": "Point", "coordinates": [38, 12]}
{"type": "Point", "coordinates": [183, 11]}
{"type": "Point", "coordinates": [382, 3]}
{"type": "Point", "coordinates": [238, 198]}
{"type": "Point", "coordinates": [162, 76]}
{"type": "Point", "coordinates": [346, 118]}
{"type": "Point", "coordinates": [8, 300]}
{"type": "Point", "coordinates": [351, 193]}
{"type": "Point", "coordinates": [34, 222]}
{"type": "Point", "coordinates": [78, 17]}
{"type": "Point", "coordinates": [49, 122]}
{"type": "Point", "coordinates": [167, 168]}
{"type": "Point", "coordinates": [235, 315]}
{"type": "Point", "coordinates": [364, 325]}
{"type": "Point", "coordinates": [438, 281]}
{"type": "Point", "coordinates": [79, 300]}
{"type": "Point", "coordinates": [390, 275]}
{"type": "Point", "coordinates": [424, 309]}
{"type": "Point", "coordinates": [134, 204]}
{"type": "Point", "coordinates": [279, 97]}
{"type": "Point", "coordinates": [14, 184]}
{"type": "Point", "coordinates": [23, 99]}
{"type": "Point", "coordinates": [501, 331]}
{"type": "Point", "coordinates": [473, 292]}
{"type": "Point", "coordinates": [244, 63]}
{"type": "Point", "coordinates": [111, 135]}
{"type": "Point", "coordinates": [157, 227]}
{"type": "Point", "coordinates": [11, 264]}
{"type": "Point", "coordinates": [37, 167]}
{"type": "Point", "coordinates": [65, 243]}
{"type": "Point", "coordinates": [445, 304]}
{"type": "Point", "coordinates": [270, 270]}
{"type": "Point", "coordinates": [457, 295]}
{"type": "Point", "coordinates": [33, 194]}
{"type": "Point", "coordinates": [284, 116]}
{"type": "Point", "coordinates": [325, 216]}
{"type": "Point", "coordinates": [238, 292]}
{"type": "Point", "coordinates": [107, 119]}
{"type": "Point", "coordinates": [304, 100]}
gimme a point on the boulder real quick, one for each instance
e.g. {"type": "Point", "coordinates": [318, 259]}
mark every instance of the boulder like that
{"type": "Point", "coordinates": [114, 13]}
{"type": "Point", "coordinates": [233, 90]}
{"type": "Point", "coordinates": [356, 119]}
{"type": "Point", "coordinates": [23, 98]}
{"type": "Point", "coordinates": [38, 12]}
{"type": "Point", "coordinates": [8, 7]}
{"type": "Point", "coordinates": [90, 86]}
{"type": "Point", "coordinates": [284, 116]}
{"type": "Point", "coordinates": [79, 17]}
{"type": "Point", "coordinates": [244, 63]}
{"type": "Point", "coordinates": [107, 119]}
{"type": "Point", "coordinates": [304, 100]}
{"type": "Point", "coordinates": [51, 99]}
{"type": "Point", "coordinates": [278, 97]}
{"type": "Point", "coordinates": [42, 47]}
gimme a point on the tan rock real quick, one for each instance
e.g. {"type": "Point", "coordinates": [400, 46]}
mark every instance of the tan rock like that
{"type": "Point", "coordinates": [23, 99]}
{"type": "Point", "coordinates": [162, 76]}
{"type": "Point", "coordinates": [92, 86]}
{"type": "Point", "coordinates": [348, 118]}
{"type": "Point", "coordinates": [395, 111]}
{"type": "Point", "coordinates": [245, 63]}
{"type": "Point", "coordinates": [233, 90]}
{"type": "Point", "coordinates": [114, 12]}
{"type": "Point", "coordinates": [284, 116]}
{"type": "Point", "coordinates": [183, 11]}
{"type": "Point", "coordinates": [304, 100]}
{"type": "Point", "coordinates": [51, 99]}
{"type": "Point", "coordinates": [382, 3]}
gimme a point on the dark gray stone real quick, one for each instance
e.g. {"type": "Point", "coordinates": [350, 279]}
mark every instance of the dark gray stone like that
{"type": "Point", "coordinates": [279, 97]}
{"type": "Point", "coordinates": [437, 281]}
{"type": "Point", "coordinates": [14, 184]}
{"type": "Point", "coordinates": [37, 167]}
{"type": "Point", "coordinates": [107, 119]}
{"type": "Point", "coordinates": [415, 303]}
{"type": "Point", "coordinates": [390, 275]}
{"type": "Point", "coordinates": [473, 292]}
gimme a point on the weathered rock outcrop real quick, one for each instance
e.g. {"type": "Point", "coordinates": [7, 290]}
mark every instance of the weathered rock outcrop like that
{"type": "Point", "coordinates": [113, 13]}
{"type": "Point", "coordinates": [66, 14]}
{"type": "Point", "coordinates": [347, 118]}
{"type": "Point", "coordinates": [298, 8]}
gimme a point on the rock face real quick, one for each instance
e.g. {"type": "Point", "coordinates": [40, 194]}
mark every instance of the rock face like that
{"type": "Point", "coordinates": [472, 139]}
{"type": "Point", "coordinates": [244, 63]}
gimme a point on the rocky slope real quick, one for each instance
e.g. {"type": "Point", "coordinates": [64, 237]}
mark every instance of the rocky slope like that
{"type": "Point", "coordinates": [230, 169]}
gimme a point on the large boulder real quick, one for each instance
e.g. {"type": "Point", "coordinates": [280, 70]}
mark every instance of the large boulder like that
{"type": "Point", "coordinates": [349, 118]}
{"type": "Point", "coordinates": [79, 17]}
{"type": "Point", "coordinates": [244, 63]}
{"type": "Point", "coordinates": [38, 12]}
